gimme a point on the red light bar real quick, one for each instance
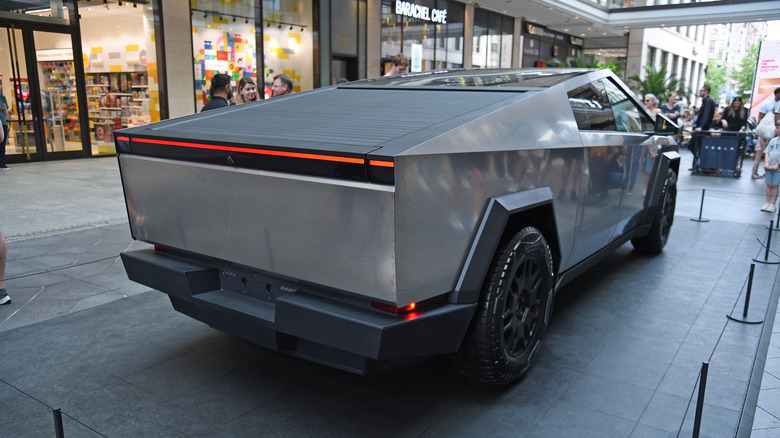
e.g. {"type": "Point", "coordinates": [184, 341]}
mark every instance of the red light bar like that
{"type": "Point", "coordinates": [379, 163]}
{"type": "Point", "coordinates": [254, 151]}
{"type": "Point", "coordinates": [394, 309]}
{"type": "Point", "coordinates": [123, 138]}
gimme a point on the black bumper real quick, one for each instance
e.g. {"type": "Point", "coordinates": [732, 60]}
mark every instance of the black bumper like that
{"type": "Point", "coordinates": [301, 323]}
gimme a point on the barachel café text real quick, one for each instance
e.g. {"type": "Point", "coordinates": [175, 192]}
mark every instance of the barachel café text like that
{"type": "Point", "coordinates": [408, 9]}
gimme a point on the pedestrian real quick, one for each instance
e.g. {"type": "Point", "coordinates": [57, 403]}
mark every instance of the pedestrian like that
{"type": "Point", "coordinates": [4, 297]}
{"type": "Point", "coordinates": [771, 165]}
{"type": "Point", "coordinates": [4, 120]}
{"type": "Point", "coordinates": [282, 85]}
{"type": "Point", "coordinates": [736, 115]}
{"type": "Point", "coordinates": [221, 92]}
{"type": "Point", "coordinates": [399, 65]}
{"type": "Point", "coordinates": [766, 108]}
{"type": "Point", "coordinates": [247, 91]}
{"type": "Point", "coordinates": [671, 109]}
{"type": "Point", "coordinates": [651, 103]}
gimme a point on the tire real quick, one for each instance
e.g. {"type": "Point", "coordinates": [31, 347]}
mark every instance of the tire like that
{"type": "Point", "coordinates": [656, 239]}
{"type": "Point", "coordinates": [513, 312]}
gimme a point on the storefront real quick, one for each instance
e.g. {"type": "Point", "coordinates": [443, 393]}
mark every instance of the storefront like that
{"type": "Point", "coordinates": [430, 32]}
{"type": "Point", "coordinates": [545, 48]}
{"type": "Point", "coordinates": [71, 82]}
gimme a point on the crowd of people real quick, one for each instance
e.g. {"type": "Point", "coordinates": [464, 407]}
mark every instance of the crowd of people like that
{"type": "Point", "coordinates": [732, 118]}
{"type": "Point", "coordinates": [222, 95]}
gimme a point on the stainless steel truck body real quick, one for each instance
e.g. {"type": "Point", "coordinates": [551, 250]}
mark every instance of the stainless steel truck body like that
{"type": "Point", "coordinates": [373, 222]}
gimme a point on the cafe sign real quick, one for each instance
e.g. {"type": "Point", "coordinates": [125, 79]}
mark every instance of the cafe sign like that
{"type": "Point", "coordinates": [408, 9]}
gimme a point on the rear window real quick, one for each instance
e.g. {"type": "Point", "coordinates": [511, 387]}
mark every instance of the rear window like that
{"type": "Point", "coordinates": [533, 78]}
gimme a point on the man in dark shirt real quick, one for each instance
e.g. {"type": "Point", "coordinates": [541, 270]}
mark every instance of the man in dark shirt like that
{"type": "Point", "coordinates": [221, 92]}
{"type": "Point", "coordinates": [707, 111]}
{"type": "Point", "coordinates": [703, 123]}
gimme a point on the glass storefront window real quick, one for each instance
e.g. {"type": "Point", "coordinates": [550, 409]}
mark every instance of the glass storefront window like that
{"type": "Point", "coordinates": [449, 37]}
{"type": "Point", "coordinates": [288, 42]}
{"type": "Point", "coordinates": [430, 43]}
{"type": "Point", "coordinates": [120, 68]}
{"type": "Point", "coordinates": [20, 137]}
{"type": "Point", "coordinates": [40, 11]}
{"type": "Point", "coordinates": [57, 84]}
{"type": "Point", "coordinates": [223, 41]}
{"type": "Point", "coordinates": [493, 34]}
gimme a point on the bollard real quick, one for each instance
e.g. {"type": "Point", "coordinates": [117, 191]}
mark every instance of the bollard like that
{"type": "Point", "coordinates": [701, 207]}
{"type": "Point", "coordinates": [768, 244]}
{"type": "Point", "coordinates": [58, 431]}
{"type": "Point", "coordinates": [700, 401]}
{"type": "Point", "coordinates": [747, 300]}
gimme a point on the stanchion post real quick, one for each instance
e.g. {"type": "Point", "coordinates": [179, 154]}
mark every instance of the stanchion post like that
{"type": "Point", "coordinates": [700, 401]}
{"type": "Point", "coordinates": [58, 431]}
{"type": "Point", "coordinates": [701, 207]}
{"type": "Point", "coordinates": [769, 240]}
{"type": "Point", "coordinates": [747, 301]}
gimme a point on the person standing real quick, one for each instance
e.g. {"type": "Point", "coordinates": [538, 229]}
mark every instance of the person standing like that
{"type": "Point", "coordinates": [4, 120]}
{"type": "Point", "coordinates": [399, 65]}
{"type": "Point", "coordinates": [702, 122]}
{"type": "Point", "coordinates": [247, 91]}
{"type": "Point", "coordinates": [671, 109]}
{"type": "Point", "coordinates": [221, 92]}
{"type": "Point", "coordinates": [282, 85]}
{"type": "Point", "coordinates": [651, 103]}
{"type": "Point", "coordinates": [766, 108]}
{"type": "Point", "coordinates": [736, 115]}
{"type": "Point", "coordinates": [707, 111]}
{"type": "Point", "coordinates": [772, 164]}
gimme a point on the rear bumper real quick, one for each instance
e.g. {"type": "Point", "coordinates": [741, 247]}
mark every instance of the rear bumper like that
{"type": "Point", "coordinates": [301, 323]}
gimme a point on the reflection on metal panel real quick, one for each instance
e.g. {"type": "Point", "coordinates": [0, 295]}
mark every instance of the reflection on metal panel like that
{"type": "Point", "coordinates": [334, 233]}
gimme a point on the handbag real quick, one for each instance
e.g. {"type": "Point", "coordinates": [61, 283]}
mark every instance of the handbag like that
{"type": "Point", "coordinates": [766, 127]}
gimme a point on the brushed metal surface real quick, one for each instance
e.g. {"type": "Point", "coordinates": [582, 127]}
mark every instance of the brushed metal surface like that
{"type": "Point", "coordinates": [336, 233]}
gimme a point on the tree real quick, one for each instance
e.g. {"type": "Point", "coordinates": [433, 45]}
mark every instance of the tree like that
{"type": "Point", "coordinates": [743, 77]}
{"type": "Point", "coordinates": [716, 78]}
{"type": "Point", "coordinates": [658, 82]}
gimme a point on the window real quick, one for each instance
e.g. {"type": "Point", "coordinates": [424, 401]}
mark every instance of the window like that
{"type": "Point", "coordinates": [628, 117]}
{"type": "Point", "coordinates": [591, 108]}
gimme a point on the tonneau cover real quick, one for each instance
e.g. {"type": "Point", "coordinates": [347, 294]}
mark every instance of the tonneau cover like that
{"type": "Point", "coordinates": [342, 119]}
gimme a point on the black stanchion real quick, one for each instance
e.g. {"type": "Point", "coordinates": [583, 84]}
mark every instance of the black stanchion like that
{"type": "Point", "coordinates": [777, 222]}
{"type": "Point", "coordinates": [700, 401]}
{"type": "Point", "coordinates": [747, 301]}
{"type": "Point", "coordinates": [768, 244]}
{"type": "Point", "coordinates": [58, 431]}
{"type": "Point", "coordinates": [701, 207]}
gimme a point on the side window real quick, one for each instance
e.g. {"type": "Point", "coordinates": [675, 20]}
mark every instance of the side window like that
{"type": "Point", "coordinates": [591, 108]}
{"type": "Point", "coordinates": [628, 117]}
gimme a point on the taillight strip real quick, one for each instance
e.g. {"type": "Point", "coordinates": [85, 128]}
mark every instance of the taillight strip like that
{"type": "Point", "coordinates": [254, 151]}
{"type": "Point", "coordinates": [379, 163]}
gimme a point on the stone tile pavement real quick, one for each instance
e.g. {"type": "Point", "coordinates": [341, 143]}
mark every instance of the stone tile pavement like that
{"type": "Point", "coordinates": [621, 358]}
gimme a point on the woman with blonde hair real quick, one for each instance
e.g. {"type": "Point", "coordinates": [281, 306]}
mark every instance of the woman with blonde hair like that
{"type": "Point", "coordinates": [247, 91]}
{"type": "Point", "coordinates": [736, 115]}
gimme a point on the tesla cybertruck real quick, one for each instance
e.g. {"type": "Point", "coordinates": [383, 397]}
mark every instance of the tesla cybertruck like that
{"type": "Point", "coordinates": [375, 222]}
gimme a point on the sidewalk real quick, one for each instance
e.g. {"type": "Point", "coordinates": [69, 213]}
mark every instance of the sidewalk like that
{"type": "Point", "coordinates": [621, 356]}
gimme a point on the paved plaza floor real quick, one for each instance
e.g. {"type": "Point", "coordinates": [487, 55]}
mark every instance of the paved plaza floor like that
{"type": "Point", "coordinates": [622, 356]}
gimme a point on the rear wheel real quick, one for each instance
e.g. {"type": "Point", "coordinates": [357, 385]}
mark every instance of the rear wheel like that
{"type": "Point", "coordinates": [514, 309]}
{"type": "Point", "coordinates": [656, 239]}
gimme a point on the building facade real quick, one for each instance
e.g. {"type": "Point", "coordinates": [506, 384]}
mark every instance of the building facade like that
{"type": "Point", "coordinates": [76, 71]}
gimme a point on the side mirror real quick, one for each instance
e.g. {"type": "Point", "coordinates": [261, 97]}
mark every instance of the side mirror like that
{"type": "Point", "coordinates": [664, 125]}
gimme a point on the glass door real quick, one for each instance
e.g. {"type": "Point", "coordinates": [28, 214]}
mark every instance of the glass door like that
{"type": "Point", "coordinates": [58, 97]}
{"type": "Point", "coordinates": [15, 99]}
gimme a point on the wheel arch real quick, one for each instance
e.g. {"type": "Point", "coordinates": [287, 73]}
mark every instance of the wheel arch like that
{"type": "Point", "coordinates": [503, 217]}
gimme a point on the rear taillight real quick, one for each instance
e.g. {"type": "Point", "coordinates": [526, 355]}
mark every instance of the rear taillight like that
{"type": "Point", "coordinates": [390, 308]}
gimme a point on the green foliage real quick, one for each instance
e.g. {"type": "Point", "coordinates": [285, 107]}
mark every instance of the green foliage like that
{"type": "Point", "coordinates": [716, 78]}
{"type": "Point", "coordinates": [743, 77]}
{"type": "Point", "coordinates": [658, 82]}
{"type": "Point", "coordinates": [582, 61]}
